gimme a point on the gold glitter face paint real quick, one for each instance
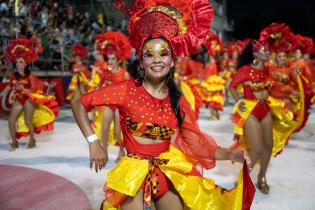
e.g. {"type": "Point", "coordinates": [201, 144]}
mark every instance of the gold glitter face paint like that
{"type": "Point", "coordinates": [157, 59]}
{"type": "Point", "coordinates": [156, 48]}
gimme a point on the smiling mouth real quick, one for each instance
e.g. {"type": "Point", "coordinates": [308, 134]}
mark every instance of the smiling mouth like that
{"type": "Point", "coordinates": [157, 68]}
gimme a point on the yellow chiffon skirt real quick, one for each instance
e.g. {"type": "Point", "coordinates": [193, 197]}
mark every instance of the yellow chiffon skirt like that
{"type": "Point", "coordinates": [44, 115]}
{"type": "Point", "coordinates": [198, 193]}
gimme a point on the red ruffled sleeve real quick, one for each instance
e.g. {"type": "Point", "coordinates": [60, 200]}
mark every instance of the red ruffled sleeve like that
{"type": "Point", "coordinates": [196, 145]}
{"type": "Point", "coordinates": [112, 95]}
{"type": "Point", "coordinates": [240, 76]}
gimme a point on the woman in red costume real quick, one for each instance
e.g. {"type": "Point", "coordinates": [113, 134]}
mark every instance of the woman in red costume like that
{"type": "Point", "coordinates": [99, 69]}
{"type": "Point", "coordinates": [289, 87]}
{"type": "Point", "coordinates": [212, 86]}
{"type": "Point", "coordinates": [187, 76]}
{"type": "Point", "coordinates": [31, 111]}
{"type": "Point", "coordinates": [279, 40]}
{"type": "Point", "coordinates": [300, 61]}
{"type": "Point", "coordinates": [233, 50]}
{"type": "Point", "coordinates": [161, 135]}
{"type": "Point", "coordinates": [251, 114]}
{"type": "Point", "coordinates": [301, 66]}
{"type": "Point", "coordinates": [116, 48]}
{"type": "Point", "coordinates": [81, 75]}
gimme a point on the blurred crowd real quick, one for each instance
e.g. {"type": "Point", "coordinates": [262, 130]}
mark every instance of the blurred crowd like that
{"type": "Point", "coordinates": [55, 24]}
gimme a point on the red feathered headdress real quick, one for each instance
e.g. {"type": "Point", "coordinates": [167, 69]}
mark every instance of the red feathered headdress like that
{"type": "Point", "coordinates": [113, 42]}
{"type": "Point", "coordinates": [277, 38]}
{"type": "Point", "coordinates": [236, 46]}
{"type": "Point", "coordinates": [305, 44]}
{"type": "Point", "coordinates": [257, 45]}
{"type": "Point", "coordinates": [213, 44]}
{"type": "Point", "coordinates": [183, 23]}
{"type": "Point", "coordinates": [79, 49]}
{"type": "Point", "coordinates": [21, 48]}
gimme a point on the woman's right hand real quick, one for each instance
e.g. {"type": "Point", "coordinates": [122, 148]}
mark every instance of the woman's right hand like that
{"type": "Point", "coordinates": [98, 156]}
{"type": "Point", "coordinates": [241, 106]}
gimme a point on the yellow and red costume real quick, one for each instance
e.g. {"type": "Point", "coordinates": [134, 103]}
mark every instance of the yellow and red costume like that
{"type": "Point", "coordinates": [287, 109]}
{"type": "Point", "coordinates": [193, 99]}
{"type": "Point", "coordinates": [192, 71]}
{"type": "Point", "coordinates": [81, 74]}
{"type": "Point", "coordinates": [305, 44]}
{"type": "Point", "coordinates": [212, 85]}
{"type": "Point", "coordinates": [99, 68]}
{"type": "Point", "coordinates": [46, 110]}
{"type": "Point", "coordinates": [46, 106]}
{"type": "Point", "coordinates": [115, 43]}
{"type": "Point", "coordinates": [156, 168]}
{"type": "Point", "coordinates": [233, 49]}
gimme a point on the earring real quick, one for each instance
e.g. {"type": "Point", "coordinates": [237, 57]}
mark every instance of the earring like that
{"type": "Point", "coordinates": [255, 62]}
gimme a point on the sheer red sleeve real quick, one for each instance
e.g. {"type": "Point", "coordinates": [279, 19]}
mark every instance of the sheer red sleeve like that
{"type": "Point", "coordinates": [36, 84]}
{"type": "Point", "coordinates": [195, 144]}
{"type": "Point", "coordinates": [112, 95]}
{"type": "Point", "coordinates": [240, 76]}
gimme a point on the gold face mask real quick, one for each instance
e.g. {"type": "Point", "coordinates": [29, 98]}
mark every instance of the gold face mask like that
{"type": "Point", "coordinates": [156, 48]}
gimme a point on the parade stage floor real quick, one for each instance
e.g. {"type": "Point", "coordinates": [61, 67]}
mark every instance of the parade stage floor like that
{"type": "Point", "coordinates": [64, 152]}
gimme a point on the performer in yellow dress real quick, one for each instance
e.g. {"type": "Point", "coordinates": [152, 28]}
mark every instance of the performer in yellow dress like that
{"type": "Point", "coordinates": [251, 114]}
{"type": "Point", "coordinates": [81, 75]}
{"type": "Point", "coordinates": [161, 135]}
{"type": "Point", "coordinates": [287, 100]}
{"type": "Point", "coordinates": [191, 75]}
{"type": "Point", "coordinates": [230, 64]}
{"type": "Point", "coordinates": [32, 111]}
{"type": "Point", "coordinates": [99, 70]}
{"type": "Point", "coordinates": [116, 48]}
{"type": "Point", "coordinates": [212, 85]}
{"type": "Point", "coordinates": [301, 66]}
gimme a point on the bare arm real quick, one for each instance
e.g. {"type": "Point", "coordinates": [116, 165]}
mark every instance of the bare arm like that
{"type": "Point", "coordinates": [229, 154]}
{"type": "Point", "coordinates": [108, 116]}
{"type": "Point", "coordinates": [98, 155]}
{"type": "Point", "coordinates": [234, 94]}
{"type": "Point", "coordinates": [81, 117]}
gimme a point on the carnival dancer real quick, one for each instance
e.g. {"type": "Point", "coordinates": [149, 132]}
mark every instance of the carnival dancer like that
{"type": "Point", "coordinates": [157, 171]}
{"type": "Point", "coordinates": [81, 74]}
{"type": "Point", "coordinates": [212, 86]}
{"type": "Point", "coordinates": [301, 66]}
{"type": "Point", "coordinates": [288, 97]}
{"type": "Point", "coordinates": [191, 77]}
{"type": "Point", "coordinates": [264, 126]}
{"type": "Point", "coordinates": [116, 48]}
{"type": "Point", "coordinates": [99, 71]}
{"type": "Point", "coordinates": [32, 111]}
{"type": "Point", "coordinates": [189, 87]}
{"type": "Point", "coordinates": [251, 114]}
{"type": "Point", "coordinates": [233, 50]}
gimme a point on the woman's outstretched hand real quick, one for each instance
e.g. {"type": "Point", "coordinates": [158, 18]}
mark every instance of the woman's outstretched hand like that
{"type": "Point", "coordinates": [239, 155]}
{"type": "Point", "coordinates": [98, 156]}
{"type": "Point", "coordinates": [236, 155]}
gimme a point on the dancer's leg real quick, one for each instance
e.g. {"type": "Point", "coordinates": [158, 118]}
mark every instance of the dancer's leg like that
{"type": "Point", "coordinates": [15, 111]}
{"type": "Point", "coordinates": [29, 109]}
{"type": "Point", "coordinates": [253, 133]}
